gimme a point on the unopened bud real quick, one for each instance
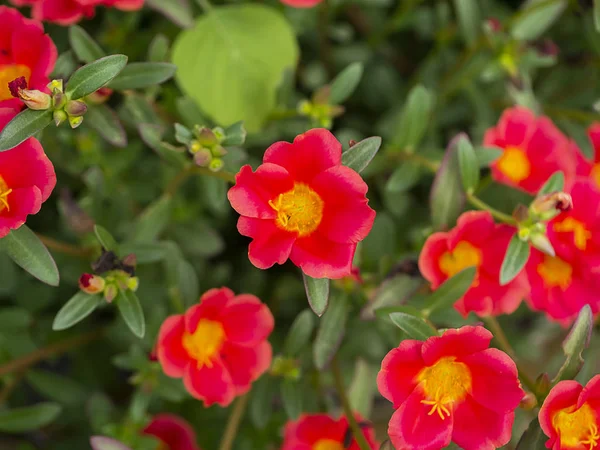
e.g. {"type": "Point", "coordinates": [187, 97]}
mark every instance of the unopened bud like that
{"type": "Point", "coordinates": [133, 283]}
{"type": "Point", "coordinates": [76, 108]}
{"type": "Point", "coordinates": [203, 157]}
{"type": "Point", "coordinates": [219, 150]}
{"type": "Point", "coordinates": [542, 384]}
{"type": "Point", "coordinates": [542, 243]}
{"type": "Point", "coordinates": [130, 260]}
{"type": "Point", "coordinates": [549, 205]}
{"type": "Point", "coordinates": [305, 108]}
{"type": "Point", "coordinates": [91, 284]}
{"type": "Point", "coordinates": [528, 402]}
{"type": "Point", "coordinates": [493, 24]}
{"type": "Point", "coordinates": [215, 165]}
{"type": "Point", "coordinates": [521, 213]}
{"type": "Point", "coordinates": [219, 134]}
{"type": "Point", "coordinates": [110, 293]}
{"type": "Point", "coordinates": [100, 96]}
{"type": "Point", "coordinates": [34, 99]}
{"type": "Point", "coordinates": [75, 121]}
{"type": "Point", "coordinates": [195, 147]}
{"type": "Point", "coordinates": [59, 116]}
{"type": "Point", "coordinates": [59, 100]}
{"type": "Point", "coordinates": [56, 85]}
{"type": "Point", "coordinates": [206, 137]}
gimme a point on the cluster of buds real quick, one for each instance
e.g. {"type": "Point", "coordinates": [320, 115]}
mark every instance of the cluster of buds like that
{"type": "Point", "coordinates": [319, 110]}
{"type": "Point", "coordinates": [531, 221]}
{"type": "Point", "coordinates": [204, 144]}
{"type": "Point", "coordinates": [112, 276]}
{"type": "Point", "coordinates": [63, 108]}
{"type": "Point", "coordinates": [285, 367]}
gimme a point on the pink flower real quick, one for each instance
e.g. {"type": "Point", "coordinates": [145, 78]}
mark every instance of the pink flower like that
{"type": "Point", "coordinates": [301, 3]}
{"type": "Point", "coordinates": [173, 432]}
{"type": "Point", "coordinates": [218, 347]}
{"type": "Point", "coordinates": [27, 179]}
{"type": "Point", "coordinates": [303, 204]}
{"type": "Point", "coordinates": [25, 51]}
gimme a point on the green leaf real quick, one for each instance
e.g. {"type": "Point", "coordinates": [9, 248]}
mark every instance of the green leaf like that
{"type": "Point", "coordinates": [363, 388]}
{"type": "Point", "coordinates": [23, 126]}
{"type": "Point", "coordinates": [142, 75]}
{"type": "Point", "coordinates": [344, 85]}
{"type": "Point", "coordinates": [75, 310]}
{"type": "Point", "coordinates": [152, 222]}
{"type": "Point", "coordinates": [487, 155]}
{"type": "Point", "coordinates": [28, 252]}
{"type": "Point", "coordinates": [415, 119]}
{"type": "Point", "coordinates": [404, 177]}
{"type": "Point", "coordinates": [577, 340]}
{"type": "Point", "coordinates": [360, 155]}
{"type": "Point", "coordinates": [244, 47]}
{"type": "Point", "coordinates": [177, 11]}
{"type": "Point", "coordinates": [93, 76]}
{"type": "Point", "coordinates": [145, 252]}
{"type": "Point", "coordinates": [291, 396]}
{"type": "Point", "coordinates": [30, 418]}
{"type": "Point", "coordinates": [469, 166]}
{"type": "Point", "coordinates": [536, 17]}
{"type": "Point", "coordinates": [597, 15]}
{"type": "Point", "coordinates": [131, 311]}
{"type": "Point", "coordinates": [107, 443]}
{"type": "Point", "coordinates": [300, 332]}
{"type": "Point", "coordinates": [392, 292]}
{"type": "Point", "coordinates": [331, 331]}
{"type": "Point", "coordinates": [57, 387]}
{"type": "Point", "coordinates": [415, 327]}
{"type": "Point", "coordinates": [158, 51]}
{"type": "Point", "coordinates": [469, 20]}
{"type": "Point", "coordinates": [65, 65]}
{"type": "Point", "coordinates": [107, 241]}
{"type": "Point", "coordinates": [183, 135]}
{"type": "Point", "coordinates": [84, 46]}
{"type": "Point", "coordinates": [514, 260]}
{"type": "Point", "coordinates": [261, 401]}
{"type": "Point", "coordinates": [556, 183]}
{"type": "Point", "coordinates": [106, 122]}
{"type": "Point", "coordinates": [450, 291]}
{"type": "Point", "coordinates": [235, 134]}
{"type": "Point", "coordinates": [317, 293]}
{"type": "Point", "coordinates": [533, 438]}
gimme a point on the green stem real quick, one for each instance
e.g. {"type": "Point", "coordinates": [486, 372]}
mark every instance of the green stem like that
{"type": "Point", "coordinates": [480, 204]}
{"type": "Point", "coordinates": [233, 423]}
{"type": "Point", "coordinates": [339, 385]}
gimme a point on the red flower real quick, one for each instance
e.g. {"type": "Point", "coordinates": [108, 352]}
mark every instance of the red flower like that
{"type": "Point", "coordinates": [25, 51]}
{"type": "Point", "coordinates": [303, 204]}
{"type": "Point", "coordinates": [450, 388]}
{"type": "Point", "coordinates": [301, 3]}
{"type": "Point", "coordinates": [475, 241]}
{"type": "Point", "coordinates": [588, 168]}
{"type": "Point", "coordinates": [533, 148]}
{"type": "Point", "coordinates": [68, 12]}
{"type": "Point", "coordinates": [218, 347]}
{"type": "Point", "coordinates": [172, 431]}
{"type": "Point", "coordinates": [570, 415]}
{"type": "Point", "coordinates": [323, 432]}
{"type": "Point", "coordinates": [26, 180]}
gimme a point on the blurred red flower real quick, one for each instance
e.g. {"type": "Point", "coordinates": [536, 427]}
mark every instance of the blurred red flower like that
{"type": "Point", "coordinates": [533, 149]}
{"type": "Point", "coordinates": [68, 12]}
{"type": "Point", "coordinates": [303, 204]}
{"type": "Point", "coordinates": [323, 432]}
{"type": "Point", "coordinates": [25, 51]}
{"type": "Point", "coordinates": [301, 3]}
{"type": "Point", "coordinates": [218, 347]}
{"type": "Point", "coordinates": [174, 432]}
{"type": "Point", "coordinates": [475, 241]}
{"type": "Point", "coordinates": [570, 415]}
{"type": "Point", "coordinates": [27, 179]}
{"type": "Point", "coordinates": [450, 388]}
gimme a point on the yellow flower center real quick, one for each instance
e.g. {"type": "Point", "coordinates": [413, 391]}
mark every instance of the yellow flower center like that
{"type": "Point", "coordinates": [555, 272]}
{"type": "Point", "coordinates": [580, 234]}
{"type": "Point", "coordinates": [204, 343]}
{"type": "Point", "coordinates": [444, 383]}
{"type": "Point", "coordinates": [299, 210]}
{"type": "Point", "coordinates": [464, 255]}
{"type": "Point", "coordinates": [328, 444]}
{"type": "Point", "coordinates": [8, 73]}
{"type": "Point", "coordinates": [4, 193]}
{"type": "Point", "coordinates": [595, 174]}
{"type": "Point", "coordinates": [514, 164]}
{"type": "Point", "coordinates": [576, 427]}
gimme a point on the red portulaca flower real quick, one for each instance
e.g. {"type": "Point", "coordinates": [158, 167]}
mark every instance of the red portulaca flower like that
{"type": "Point", "coordinates": [173, 432]}
{"type": "Point", "coordinates": [218, 347]}
{"type": "Point", "coordinates": [25, 51]}
{"type": "Point", "coordinates": [303, 204]}
{"type": "Point", "coordinates": [450, 388]}
{"type": "Point", "coordinates": [27, 179]}
{"type": "Point", "coordinates": [301, 3]}
{"type": "Point", "coordinates": [68, 12]}
{"type": "Point", "coordinates": [475, 241]}
{"type": "Point", "coordinates": [570, 416]}
{"type": "Point", "coordinates": [323, 432]}
{"type": "Point", "coordinates": [533, 149]}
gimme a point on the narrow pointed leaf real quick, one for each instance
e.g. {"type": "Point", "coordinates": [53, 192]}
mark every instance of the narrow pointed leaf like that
{"type": "Point", "coordinates": [142, 75]}
{"type": "Point", "coordinates": [75, 310]}
{"type": "Point", "coordinates": [451, 290]}
{"type": "Point", "coordinates": [344, 85]}
{"type": "Point", "coordinates": [415, 327]}
{"type": "Point", "coordinates": [533, 438]}
{"type": "Point", "coordinates": [132, 313]}
{"type": "Point", "coordinates": [574, 344]}
{"type": "Point", "coordinates": [360, 155]}
{"type": "Point", "coordinates": [29, 418]}
{"type": "Point", "coordinates": [515, 259]}
{"type": "Point", "coordinates": [106, 122]}
{"type": "Point", "coordinates": [23, 126]}
{"type": "Point", "coordinates": [291, 396]}
{"type": "Point", "coordinates": [106, 239]}
{"type": "Point", "coordinates": [300, 333]}
{"type": "Point", "coordinates": [317, 292]}
{"type": "Point", "coordinates": [555, 183]}
{"type": "Point", "coordinates": [84, 46]}
{"type": "Point", "coordinates": [93, 76]}
{"type": "Point", "coordinates": [469, 166]}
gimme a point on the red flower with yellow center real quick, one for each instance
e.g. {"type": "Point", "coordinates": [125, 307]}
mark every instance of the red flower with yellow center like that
{"type": "Point", "coordinates": [323, 432]}
{"type": "Point", "coordinates": [27, 179]}
{"type": "Point", "coordinates": [173, 432]}
{"type": "Point", "coordinates": [25, 51]}
{"type": "Point", "coordinates": [570, 416]}
{"type": "Point", "coordinates": [301, 3]}
{"type": "Point", "coordinates": [443, 387]}
{"type": "Point", "coordinates": [475, 241]}
{"type": "Point", "coordinates": [533, 149]}
{"type": "Point", "coordinates": [218, 347]}
{"type": "Point", "coordinates": [303, 204]}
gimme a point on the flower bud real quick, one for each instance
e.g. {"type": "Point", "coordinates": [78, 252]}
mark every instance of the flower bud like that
{"type": "Point", "coordinates": [34, 99]}
{"type": "Point", "coordinates": [219, 134]}
{"type": "Point", "coordinates": [133, 283]}
{"type": "Point", "coordinates": [549, 204]}
{"type": "Point", "coordinates": [305, 108]}
{"type": "Point", "coordinates": [130, 260]}
{"type": "Point", "coordinates": [91, 284]}
{"type": "Point", "coordinates": [195, 147]}
{"type": "Point", "coordinates": [75, 121]}
{"type": "Point", "coordinates": [219, 150]}
{"type": "Point", "coordinates": [59, 116]}
{"type": "Point", "coordinates": [203, 157]}
{"type": "Point", "coordinates": [215, 165]}
{"type": "Point", "coordinates": [206, 137]}
{"type": "Point", "coordinates": [100, 96]}
{"type": "Point", "coordinates": [542, 384]}
{"type": "Point", "coordinates": [521, 213]}
{"type": "Point", "coordinates": [59, 100]}
{"type": "Point", "coordinates": [55, 85]}
{"type": "Point", "coordinates": [110, 293]}
{"type": "Point", "coordinates": [76, 108]}
{"type": "Point", "coordinates": [528, 402]}
{"type": "Point", "coordinates": [493, 25]}
{"type": "Point", "coordinates": [285, 367]}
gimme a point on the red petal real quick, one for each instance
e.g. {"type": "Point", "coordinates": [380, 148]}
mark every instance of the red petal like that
{"type": "Point", "coordinates": [210, 384]}
{"type": "Point", "coordinates": [212, 304]}
{"type": "Point", "coordinates": [169, 351]}
{"type": "Point", "coordinates": [312, 428]}
{"type": "Point", "coordinates": [456, 342]}
{"type": "Point", "coordinates": [479, 428]}
{"type": "Point", "coordinates": [247, 321]}
{"type": "Point", "coordinates": [318, 257]}
{"type": "Point", "coordinates": [429, 259]}
{"type": "Point", "coordinates": [396, 379]}
{"type": "Point", "coordinates": [591, 393]}
{"type": "Point", "coordinates": [270, 243]}
{"type": "Point", "coordinates": [563, 395]}
{"type": "Point", "coordinates": [516, 125]}
{"type": "Point", "coordinates": [173, 431]}
{"type": "Point", "coordinates": [246, 364]}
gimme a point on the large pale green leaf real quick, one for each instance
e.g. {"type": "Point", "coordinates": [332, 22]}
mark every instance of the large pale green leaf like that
{"type": "Point", "coordinates": [23, 126]}
{"type": "Point", "coordinates": [233, 60]}
{"type": "Point", "coordinates": [535, 17]}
